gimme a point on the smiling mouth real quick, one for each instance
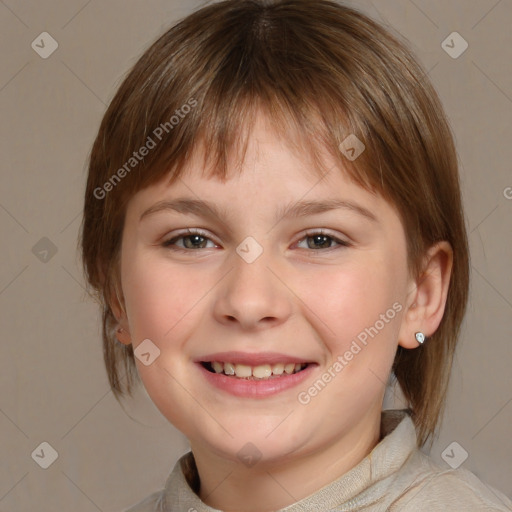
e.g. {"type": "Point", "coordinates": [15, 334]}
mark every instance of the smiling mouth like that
{"type": "Point", "coordinates": [260, 372]}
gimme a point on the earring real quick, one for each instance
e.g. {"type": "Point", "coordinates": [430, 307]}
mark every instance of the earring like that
{"type": "Point", "coordinates": [420, 337]}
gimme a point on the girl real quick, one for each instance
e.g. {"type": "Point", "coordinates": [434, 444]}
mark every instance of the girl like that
{"type": "Point", "coordinates": [273, 224]}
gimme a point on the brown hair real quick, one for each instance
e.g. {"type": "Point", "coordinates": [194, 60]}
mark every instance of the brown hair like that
{"type": "Point", "coordinates": [320, 69]}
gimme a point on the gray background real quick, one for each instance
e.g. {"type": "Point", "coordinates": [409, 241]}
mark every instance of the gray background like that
{"type": "Point", "coordinates": [53, 383]}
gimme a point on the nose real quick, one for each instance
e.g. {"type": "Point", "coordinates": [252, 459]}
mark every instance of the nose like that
{"type": "Point", "coordinates": [253, 295]}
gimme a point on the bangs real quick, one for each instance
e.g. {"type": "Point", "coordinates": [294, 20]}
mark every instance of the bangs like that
{"type": "Point", "coordinates": [225, 129]}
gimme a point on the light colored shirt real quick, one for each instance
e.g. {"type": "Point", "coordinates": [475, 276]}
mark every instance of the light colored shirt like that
{"type": "Point", "coordinates": [396, 476]}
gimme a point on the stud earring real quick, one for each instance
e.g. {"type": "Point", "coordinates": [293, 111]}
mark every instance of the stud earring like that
{"type": "Point", "coordinates": [420, 337]}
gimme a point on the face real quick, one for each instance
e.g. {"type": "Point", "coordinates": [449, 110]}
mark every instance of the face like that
{"type": "Point", "coordinates": [318, 292]}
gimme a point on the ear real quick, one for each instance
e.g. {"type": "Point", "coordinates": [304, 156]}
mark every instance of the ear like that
{"type": "Point", "coordinates": [118, 308]}
{"type": "Point", "coordinates": [427, 299]}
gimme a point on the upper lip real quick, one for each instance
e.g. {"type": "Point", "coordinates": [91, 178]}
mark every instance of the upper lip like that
{"type": "Point", "coordinates": [248, 359]}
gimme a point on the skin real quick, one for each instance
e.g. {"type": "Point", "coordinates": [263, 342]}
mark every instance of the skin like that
{"type": "Point", "coordinates": [304, 300]}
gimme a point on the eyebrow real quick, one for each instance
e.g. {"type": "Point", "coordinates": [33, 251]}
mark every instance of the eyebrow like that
{"type": "Point", "coordinates": [207, 209]}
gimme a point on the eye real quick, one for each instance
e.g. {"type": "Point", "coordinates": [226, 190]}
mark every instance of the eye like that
{"type": "Point", "coordinates": [322, 240]}
{"type": "Point", "coordinates": [193, 239]}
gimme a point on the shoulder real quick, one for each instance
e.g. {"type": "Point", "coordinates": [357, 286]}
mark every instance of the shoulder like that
{"type": "Point", "coordinates": [153, 503]}
{"type": "Point", "coordinates": [433, 488]}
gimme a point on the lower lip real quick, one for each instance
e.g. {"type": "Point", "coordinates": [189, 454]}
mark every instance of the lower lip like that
{"type": "Point", "coordinates": [252, 388]}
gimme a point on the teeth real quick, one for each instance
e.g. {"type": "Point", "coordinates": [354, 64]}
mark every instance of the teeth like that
{"type": "Point", "coordinates": [229, 369]}
{"type": "Point", "coordinates": [242, 370]}
{"type": "Point", "coordinates": [278, 369]}
{"type": "Point", "coordinates": [218, 367]}
{"type": "Point", "coordinates": [263, 371]}
{"type": "Point", "coordinates": [289, 368]}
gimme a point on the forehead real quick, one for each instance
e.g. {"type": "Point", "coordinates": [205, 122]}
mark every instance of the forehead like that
{"type": "Point", "coordinates": [267, 153]}
{"type": "Point", "coordinates": [276, 173]}
{"type": "Point", "coordinates": [266, 156]}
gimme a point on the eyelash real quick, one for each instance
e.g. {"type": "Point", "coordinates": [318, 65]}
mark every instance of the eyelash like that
{"type": "Point", "coordinates": [168, 244]}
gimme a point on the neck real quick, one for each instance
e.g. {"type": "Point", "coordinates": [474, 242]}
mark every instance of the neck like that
{"type": "Point", "coordinates": [269, 486]}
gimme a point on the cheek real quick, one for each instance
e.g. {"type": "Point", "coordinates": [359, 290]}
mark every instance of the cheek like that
{"type": "Point", "coordinates": [364, 311]}
{"type": "Point", "coordinates": [162, 303]}
{"type": "Point", "coordinates": [158, 296]}
{"type": "Point", "coordinates": [352, 300]}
